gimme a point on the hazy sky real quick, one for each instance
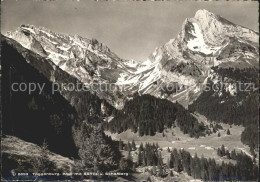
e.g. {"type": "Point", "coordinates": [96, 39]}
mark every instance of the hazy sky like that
{"type": "Point", "coordinates": [130, 29]}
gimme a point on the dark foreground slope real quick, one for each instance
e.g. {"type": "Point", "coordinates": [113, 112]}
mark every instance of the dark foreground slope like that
{"type": "Point", "coordinates": [64, 120]}
{"type": "Point", "coordinates": [35, 117]}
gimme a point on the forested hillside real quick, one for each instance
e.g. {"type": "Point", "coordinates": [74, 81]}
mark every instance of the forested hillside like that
{"type": "Point", "coordinates": [147, 115]}
{"type": "Point", "coordinates": [241, 109]}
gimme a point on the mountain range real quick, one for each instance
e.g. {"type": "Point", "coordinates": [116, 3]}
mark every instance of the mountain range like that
{"type": "Point", "coordinates": [206, 40]}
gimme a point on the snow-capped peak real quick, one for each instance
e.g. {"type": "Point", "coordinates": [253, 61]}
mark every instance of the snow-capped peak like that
{"type": "Point", "coordinates": [204, 14]}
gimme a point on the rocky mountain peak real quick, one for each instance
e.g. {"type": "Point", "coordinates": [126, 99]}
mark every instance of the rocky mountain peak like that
{"type": "Point", "coordinates": [204, 14]}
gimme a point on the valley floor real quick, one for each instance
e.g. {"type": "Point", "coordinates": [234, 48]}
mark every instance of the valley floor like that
{"type": "Point", "coordinates": [206, 146]}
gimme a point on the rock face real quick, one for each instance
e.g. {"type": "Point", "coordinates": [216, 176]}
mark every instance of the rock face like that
{"type": "Point", "coordinates": [217, 29]}
{"type": "Point", "coordinates": [80, 57]}
{"type": "Point", "coordinates": [87, 60]}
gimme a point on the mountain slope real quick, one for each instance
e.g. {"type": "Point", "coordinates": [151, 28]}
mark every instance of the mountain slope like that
{"type": "Point", "coordinates": [61, 118]}
{"type": "Point", "coordinates": [147, 115]}
{"type": "Point", "coordinates": [89, 61]}
{"type": "Point", "coordinates": [30, 115]}
{"type": "Point", "coordinates": [16, 151]}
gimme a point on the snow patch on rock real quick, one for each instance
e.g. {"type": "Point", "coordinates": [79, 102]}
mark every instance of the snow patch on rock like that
{"type": "Point", "coordinates": [198, 44]}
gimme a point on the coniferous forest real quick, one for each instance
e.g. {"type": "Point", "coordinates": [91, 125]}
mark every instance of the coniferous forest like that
{"type": "Point", "coordinates": [148, 115]}
{"type": "Point", "coordinates": [242, 168]}
{"type": "Point", "coordinates": [239, 110]}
